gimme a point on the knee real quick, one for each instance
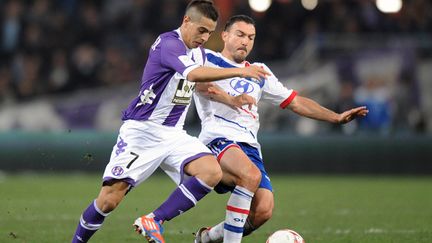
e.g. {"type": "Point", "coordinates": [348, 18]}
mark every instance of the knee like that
{"type": "Point", "coordinates": [206, 169]}
{"type": "Point", "coordinates": [214, 175]}
{"type": "Point", "coordinates": [262, 215]}
{"type": "Point", "coordinates": [107, 204]}
{"type": "Point", "coordinates": [250, 178]}
{"type": "Point", "coordinates": [266, 214]}
{"type": "Point", "coordinates": [111, 195]}
{"type": "Point", "coordinates": [211, 175]}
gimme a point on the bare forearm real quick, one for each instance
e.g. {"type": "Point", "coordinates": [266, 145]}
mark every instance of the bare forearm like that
{"type": "Point", "coordinates": [311, 109]}
{"type": "Point", "coordinates": [213, 92]}
{"type": "Point", "coordinates": [206, 74]}
{"type": "Point", "coordinates": [219, 95]}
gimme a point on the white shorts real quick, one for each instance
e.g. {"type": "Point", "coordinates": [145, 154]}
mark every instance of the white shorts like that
{"type": "Point", "coordinates": [143, 146]}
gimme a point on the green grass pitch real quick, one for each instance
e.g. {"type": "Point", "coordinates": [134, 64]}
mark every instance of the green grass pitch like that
{"type": "Point", "coordinates": [46, 208]}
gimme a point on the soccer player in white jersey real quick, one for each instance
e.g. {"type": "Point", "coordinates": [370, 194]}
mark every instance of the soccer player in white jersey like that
{"type": "Point", "coordinates": [152, 134]}
{"type": "Point", "coordinates": [234, 142]}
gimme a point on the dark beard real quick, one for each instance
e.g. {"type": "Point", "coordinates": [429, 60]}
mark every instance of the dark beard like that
{"type": "Point", "coordinates": [238, 59]}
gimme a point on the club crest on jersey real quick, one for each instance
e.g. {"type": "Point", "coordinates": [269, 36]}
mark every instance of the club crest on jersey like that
{"type": "Point", "coordinates": [147, 96]}
{"type": "Point", "coordinates": [242, 86]}
{"type": "Point", "coordinates": [118, 170]}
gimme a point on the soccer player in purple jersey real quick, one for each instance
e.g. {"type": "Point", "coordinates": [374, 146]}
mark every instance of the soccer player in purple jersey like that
{"type": "Point", "coordinates": [152, 134]}
{"type": "Point", "coordinates": [235, 141]}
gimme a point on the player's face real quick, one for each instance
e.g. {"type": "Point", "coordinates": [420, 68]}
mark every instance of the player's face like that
{"type": "Point", "coordinates": [239, 40]}
{"type": "Point", "coordinates": [196, 33]}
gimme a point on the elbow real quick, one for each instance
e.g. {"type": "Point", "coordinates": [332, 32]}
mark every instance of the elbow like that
{"type": "Point", "coordinates": [192, 77]}
{"type": "Point", "coordinates": [195, 77]}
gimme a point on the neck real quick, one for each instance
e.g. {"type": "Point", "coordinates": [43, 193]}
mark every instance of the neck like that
{"type": "Point", "coordinates": [225, 53]}
{"type": "Point", "coordinates": [182, 31]}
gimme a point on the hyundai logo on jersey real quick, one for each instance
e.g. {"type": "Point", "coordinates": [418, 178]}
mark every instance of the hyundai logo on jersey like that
{"type": "Point", "coordinates": [241, 86]}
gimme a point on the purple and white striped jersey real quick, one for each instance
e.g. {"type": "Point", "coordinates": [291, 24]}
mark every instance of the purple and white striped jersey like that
{"type": "Point", "coordinates": [165, 94]}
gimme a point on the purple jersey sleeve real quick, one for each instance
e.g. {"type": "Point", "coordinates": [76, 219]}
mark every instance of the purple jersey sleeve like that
{"type": "Point", "coordinates": [174, 56]}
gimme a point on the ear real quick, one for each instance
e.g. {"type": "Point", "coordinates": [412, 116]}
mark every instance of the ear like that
{"type": "Point", "coordinates": [224, 35]}
{"type": "Point", "coordinates": [186, 19]}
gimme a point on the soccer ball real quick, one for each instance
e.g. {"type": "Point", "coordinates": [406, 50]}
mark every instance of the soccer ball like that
{"type": "Point", "coordinates": [285, 236]}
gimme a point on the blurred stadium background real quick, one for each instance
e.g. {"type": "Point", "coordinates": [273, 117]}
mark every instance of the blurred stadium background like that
{"type": "Point", "coordinates": [68, 68]}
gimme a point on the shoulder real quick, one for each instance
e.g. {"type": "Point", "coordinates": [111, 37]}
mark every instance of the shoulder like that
{"type": "Point", "coordinates": [172, 41]}
{"type": "Point", "coordinates": [210, 52]}
{"type": "Point", "coordinates": [212, 56]}
{"type": "Point", "coordinates": [216, 59]}
{"type": "Point", "coordinates": [203, 51]}
{"type": "Point", "coordinates": [170, 35]}
{"type": "Point", "coordinates": [260, 64]}
{"type": "Point", "coordinates": [263, 65]}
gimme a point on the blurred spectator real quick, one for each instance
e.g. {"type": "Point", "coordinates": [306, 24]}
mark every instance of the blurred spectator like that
{"type": "Point", "coordinates": [6, 94]}
{"type": "Point", "coordinates": [59, 77]}
{"type": "Point", "coordinates": [86, 61]}
{"type": "Point", "coordinates": [408, 115]}
{"type": "Point", "coordinates": [11, 27]}
{"type": "Point", "coordinates": [40, 13]}
{"type": "Point", "coordinates": [116, 68]}
{"type": "Point", "coordinates": [27, 76]}
{"type": "Point", "coordinates": [33, 39]}
{"type": "Point", "coordinates": [59, 32]}
{"type": "Point", "coordinates": [89, 28]}
{"type": "Point", "coordinates": [376, 96]}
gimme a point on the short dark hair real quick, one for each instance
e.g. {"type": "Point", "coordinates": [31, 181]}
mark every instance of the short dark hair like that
{"type": "Point", "coordinates": [238, 18]}
{"type": "Point", "coordinates": [205, 7]}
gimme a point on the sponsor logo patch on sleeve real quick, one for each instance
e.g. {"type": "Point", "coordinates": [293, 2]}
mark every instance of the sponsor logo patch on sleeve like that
{"type": "Point", "coordinates": [187, 61]}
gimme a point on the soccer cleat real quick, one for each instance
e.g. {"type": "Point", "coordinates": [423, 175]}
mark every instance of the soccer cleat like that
{"type": "Point", "coordinates": [150, 229]}
{"type": "Point", "coordinates": [199, 233]}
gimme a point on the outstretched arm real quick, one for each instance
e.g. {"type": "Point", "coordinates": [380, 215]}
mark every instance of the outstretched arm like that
{"type": "Point", "coordinates": [206, 74]}
{"type": "Point", "coordinates": [214, 92]}
{"type": "Point", "coordinates": [309, 108]}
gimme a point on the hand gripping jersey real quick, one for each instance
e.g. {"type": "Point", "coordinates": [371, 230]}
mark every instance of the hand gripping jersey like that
{"type": "Point", "coordinates": [165, 94]}
{"type": "Point", "coordinates": [241, 125]}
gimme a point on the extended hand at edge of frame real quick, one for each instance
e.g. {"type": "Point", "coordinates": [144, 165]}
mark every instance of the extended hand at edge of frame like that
{"type": "Point", "coordinates": [310, 108]}
{"type": "Point", "coordinates": [352, 114]}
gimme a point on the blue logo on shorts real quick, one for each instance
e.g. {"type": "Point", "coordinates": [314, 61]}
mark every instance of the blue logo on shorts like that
{"type": "Point", "coordinates": [118, 170]}
{"type": "Point", "coordinates": [120, 146]}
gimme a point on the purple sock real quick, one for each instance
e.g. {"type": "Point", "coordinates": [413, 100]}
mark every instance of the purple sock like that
{"type": "Point", "coordinates": [91, 220]}
{"type": "Point", "coordinates": [182, 199]}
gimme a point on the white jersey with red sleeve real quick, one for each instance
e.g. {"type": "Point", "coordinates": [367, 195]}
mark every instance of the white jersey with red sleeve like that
{"type": "Point", "coordinates": [241, 125]}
